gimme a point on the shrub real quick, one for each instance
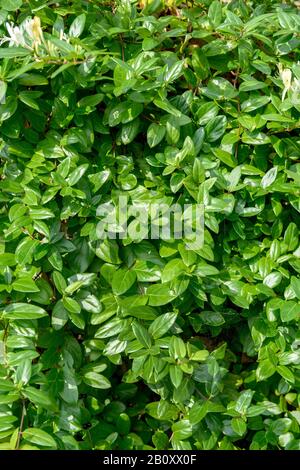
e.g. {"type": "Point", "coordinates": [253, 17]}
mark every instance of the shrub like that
{"type": "Point", "coordinates": [140, 343]}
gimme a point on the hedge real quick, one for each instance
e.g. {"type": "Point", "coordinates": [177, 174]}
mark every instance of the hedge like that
{"type": "Point", "coordinates": [135, 342]}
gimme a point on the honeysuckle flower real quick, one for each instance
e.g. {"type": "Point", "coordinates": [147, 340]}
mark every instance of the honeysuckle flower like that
{"type": "Point", "coordinates": [286, 77]}
{"type": "Point", "coordinates": [34, 30]}
{"type": "Point", "coordinates": [63, 36]}
{"type": "Point", "coordinates": [290, 84]}
{"type": "Point", "coordinates": [29, 34]}
{"type": "Point", "coordinates": [16, 36]}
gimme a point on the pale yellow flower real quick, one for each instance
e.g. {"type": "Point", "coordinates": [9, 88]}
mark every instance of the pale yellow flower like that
{"type": "Point", "coordinates": [34, 31]}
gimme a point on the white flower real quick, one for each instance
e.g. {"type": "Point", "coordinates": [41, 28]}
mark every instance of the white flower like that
{"type": "Point", "coordinates": [290, 84]}
{"type": "Point", "coordinates": [286, 77]}
{"type": "Point", "coordinates": [29, 34]}
{"type": "Point", "coordinates": [16, 36]}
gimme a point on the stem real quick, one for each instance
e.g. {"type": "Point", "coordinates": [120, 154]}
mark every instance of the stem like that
{"type": "Point", "coordinates": [21, 424]}
{"type": "Point", "coordinates": [4, 338]}
{"type": "Point", "coordinates": [122, 46]}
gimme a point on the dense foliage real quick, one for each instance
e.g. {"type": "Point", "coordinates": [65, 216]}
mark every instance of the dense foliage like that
{"type": "Point", "coordinates": [144, 344]}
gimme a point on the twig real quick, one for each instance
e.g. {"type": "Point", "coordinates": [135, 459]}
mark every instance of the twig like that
{"type": "Point", "coordinates": [4, 338]}
{"type": "Point", "coordinates": [21, 424]}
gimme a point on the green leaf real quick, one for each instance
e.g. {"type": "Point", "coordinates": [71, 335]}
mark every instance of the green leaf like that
{"type": "Point", "coordinates": [295, 283]}
{"type": "Point", "coordinates": [23, 372]}
{"type": "Point", "coordinates": [162, 324]}
{"type": "Point", "coordinates": [108, 251]}
{"type": "Point", "coordinates": [129, 131]}
{"type": "Point", "coordinates": [215, 128]}
{"type": "Point", "coordinates": [176, 375]}
{"type": "Point", "coordinates": [160, 440]}
{"type": "Point", "coordinates": [286, 373]}
{"type": "Point", "coordinates": [198, 412]}
{"type": "Point", "coordinates": [39, 437]}
{"type": "Point", "coordinates": [77, 26]}
{"type": "Point", "coordinates": [199, 355]}
{"type": "Point", "coordinates": [182, 430]}
{"type": "Point", "coordinates": [7, 259]}
{"type": "Point", "coordinates": [122, 280]}
{"type": "Point", "coordinates": [40, 213]}
{"type": "Point", "coordinates": [225, 157]}
{"type": "Point", "coordinates": [111, 328]}
{"type": "Point", "coordinates": [21, 311]}
{"type": "Point", "coordinates": [254, 103]}
{"type": "Point", "coordinates": [39, 398]}
{"type": "Point", "coordinates": [173, 72]}
{"type": "Point", "coordinates": [141, 335]}
{"type": "Point", "coordinates": [172, 270]}
{"type": "Point", "coordinates": [160, 294]}
{"type": "Point", "coordinates": [77, 320]}
{"type": "Point", "coordinates": [166, 106]}
{"type": "Point", "coordinates": [206, 112]}
{"type": "Point", "coordinates": [11, 52]}
{"type": "Point", "coordinates": [269, 177]}
{"type": "Point", "coordinates": [25, 284]}
{"type": "Point", "coordinates": [59, 316]}
{"type": "Point", "coordinates": [212, 318]}
{"type": "Point", "coordinates": [177, 348]}
{"type": "Point", "coordinates": [291, 236]}
{"type": "Point", "coordinates": [25, 250]}
{"type": "Point", "coordinates": [220, 89]}
{"type": "Point", "coordinates": [12, 5]}
{"type": "Point", "coordinates": [90, 101]}
{"type": "Point", "coordinates": [273, 279]}
{"type": "Point", "coordinates": [200, 65]}
{"type": "Point", "coordinates": [155, 134]}
{"type": "Point", "coordinates": [265, 370]}
{"type": "Point", "coordinates": [239, 426]}
{"type": "Point", "coordinates": [3, 89]}
{"type": "Point", "coordinates": [123, 424]}
{"type": "Point", "coordinates": [289, 311]}
{"type": "Point", "coordinates": [27, 98]}
{"type": "Point", "coordinates": [124, 112]}
{"type": "Point", "coordinates": [243, 402]}
{"type": "Point", "coordinates": [79, 280]}
{"type": "Point", "coordinates": [215, 13]}
{"type": "Point", "coordinates": [77, 174]}
{"type": "Point", "coordinates": [96, 380]}
{"type": "Point", "coordinates": [71, 305]}
{"type": "Point", "coordinates": [9, 398]}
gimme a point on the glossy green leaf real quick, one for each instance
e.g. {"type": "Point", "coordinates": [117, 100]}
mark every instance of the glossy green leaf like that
{"type": "Point", "coordinates": [22, 311]}
{"type": "Point", "coordinates": [38, 436]}
{"type": "Point", "coordinates": [162, 324]}
{"type": "Point", "coordinates": [122, 281]}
